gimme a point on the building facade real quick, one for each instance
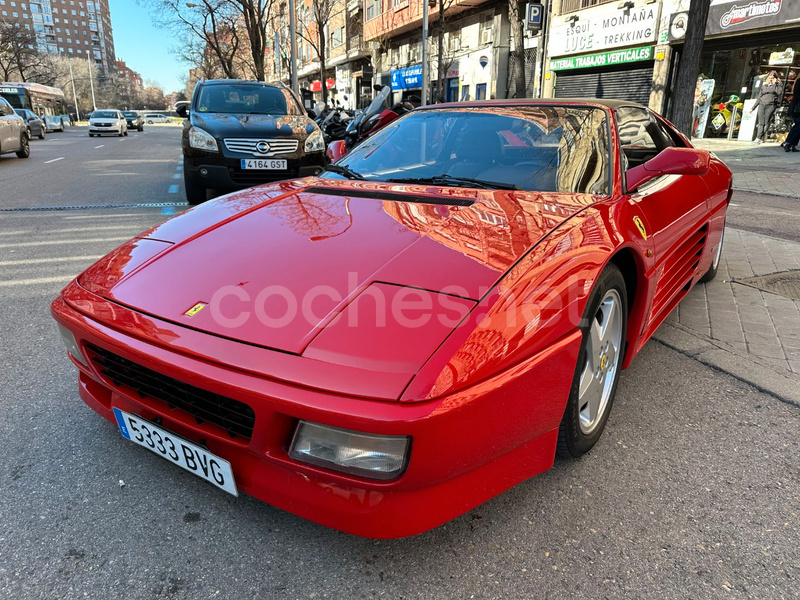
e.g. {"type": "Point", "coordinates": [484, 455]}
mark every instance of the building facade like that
{"type": "Point", "coordinates": [73, 28]}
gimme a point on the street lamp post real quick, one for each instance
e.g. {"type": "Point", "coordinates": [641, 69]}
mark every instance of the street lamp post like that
{"type": "Point", "coordinates": [425, 52]}
{"type": "Point", "coordinates": [74, 95]}
{"type": "Point", "coordinates": [293, 46]}
{"type": "Point", "coordinates": [91, 79]}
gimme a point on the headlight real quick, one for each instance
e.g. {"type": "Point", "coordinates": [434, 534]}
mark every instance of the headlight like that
{"type": "Point", "coordinates": [373, 456]}
{"type": "Point", "coordinates": [202, 140]}
{"type": "Point", "coordinates": [315, 142]}
{"type": "Point", "coordinates": [72, 345]}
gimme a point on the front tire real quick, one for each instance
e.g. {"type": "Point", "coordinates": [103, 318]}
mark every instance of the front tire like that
{"type": "Point", "coordinates": [126, 133]}
{"type": "Point", "coordinates": [41, 134]}
{"type": "Point", "coordinates": [195, 193]}
{"type": "Point", "coordinates": [24, 147]}
{"type": "Point", "coordinates": [604, 327]}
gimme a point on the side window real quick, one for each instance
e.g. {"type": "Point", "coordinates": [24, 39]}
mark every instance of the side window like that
{"type": "Point", "coordinates": [633, 124]}
{"type": "Point", "coordinates": [641, 136]}
{"type": "Point", "coordinates": [5, 108]}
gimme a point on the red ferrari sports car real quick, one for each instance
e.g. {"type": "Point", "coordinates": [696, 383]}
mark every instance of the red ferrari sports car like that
{"type": "Point", "coordinates": [385, 346]}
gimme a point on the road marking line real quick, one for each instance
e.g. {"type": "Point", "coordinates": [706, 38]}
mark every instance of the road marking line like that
{"type": "Point", "coordinates": [59, 242]}
{"type": "Point", "coordinates": [100, 146]}
{"type": "Point", "coordinates": [47, 162]}
{"type": "Point", "coordinates": [176, 176]}
{"type": "Point", "coordinates": [173, 189]}
{"type": "Point", "coordinates": [180, 167]}
{"type": "Point", "coordinates": [41, 261]}
{"type": "Point", "coordinates": [107, 228]}
{"type": "Point", "coordinates": [18, 232]}
{"type": "Point", "coordinates": [62, 279]}
{"type": "Point", "coordinates": [106, 216]}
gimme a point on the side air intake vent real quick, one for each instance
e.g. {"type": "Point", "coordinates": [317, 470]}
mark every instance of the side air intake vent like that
{"type": "Point", "coordinates": [390, 196]}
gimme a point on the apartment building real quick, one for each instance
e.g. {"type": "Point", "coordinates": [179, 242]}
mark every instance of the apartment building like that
{"type": "Point", "coordinates": [74, 28]}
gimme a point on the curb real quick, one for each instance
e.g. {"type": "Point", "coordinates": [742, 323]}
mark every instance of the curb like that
{"type": "Point", "coordinates": [781, 384]}
{"type": "Point", "coordinates": [763, 193]}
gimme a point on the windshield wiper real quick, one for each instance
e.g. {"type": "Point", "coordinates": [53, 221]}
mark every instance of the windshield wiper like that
{"type": "Point", "coordinates": [449, 180]}
{"type": "Point", "coordinates": [346, 171]}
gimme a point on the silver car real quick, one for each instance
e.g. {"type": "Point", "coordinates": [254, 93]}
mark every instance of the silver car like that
{"type": "Point", "coordinates": [107, 121]}
{"type": "Point", "coordinates": [13, 132]}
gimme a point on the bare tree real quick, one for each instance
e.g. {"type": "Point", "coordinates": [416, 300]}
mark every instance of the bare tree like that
{"type": "Point", "coordinates": [256, 16]}
{"type": "Point", "coordinates": [689, 66]}
{"type": "Point", "coordinates": [443, 59]}
{"type": "Point", "coordinates": [212, 22]}
{"type": "Point", "coordinates": [231, 33]}
{"type": "Point", "coordinates": [516, 14]}
{"type": "Point", "coordinates": [20, 58]}
{"type": "Point", "coordinates": [316, 35]}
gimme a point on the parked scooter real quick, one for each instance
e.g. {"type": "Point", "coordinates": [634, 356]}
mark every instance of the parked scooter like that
{"type": "Point", "coordinates": [721, 113]}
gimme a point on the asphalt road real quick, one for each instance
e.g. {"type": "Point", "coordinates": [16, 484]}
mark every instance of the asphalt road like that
{"type": "Point", "coordinates": [72, 169]}
{"type": "Point", "coordinates": [776, 216]}
{"type": "Point", "coordinates": [693, 491]}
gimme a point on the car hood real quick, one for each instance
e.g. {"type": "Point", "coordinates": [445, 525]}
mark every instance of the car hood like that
{"type": "Point", "coordinates": [293, 256]}
{"type": "Point", "coordinates": [222, 125]}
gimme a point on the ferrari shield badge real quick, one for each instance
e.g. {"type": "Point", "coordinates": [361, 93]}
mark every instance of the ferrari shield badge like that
{"type": "Point", "coordinates": [640, 226]}
{"type": "Point", "coordinates": [195, 309]}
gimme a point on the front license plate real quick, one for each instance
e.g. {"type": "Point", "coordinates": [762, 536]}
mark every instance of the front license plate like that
{"type": "Point", "coordinates": [175, 449]}
{"type": "Point", "coordinates": [264, 164]}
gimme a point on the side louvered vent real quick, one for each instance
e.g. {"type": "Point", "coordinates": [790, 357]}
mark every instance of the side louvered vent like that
{"type": "Point", "coordinates": [678, 271]}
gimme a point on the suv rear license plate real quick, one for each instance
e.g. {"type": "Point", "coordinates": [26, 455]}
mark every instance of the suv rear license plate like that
{"type": "Point", "coordinates": [175, 449]}
{"type": "Point", "coordinates": [264, 164]}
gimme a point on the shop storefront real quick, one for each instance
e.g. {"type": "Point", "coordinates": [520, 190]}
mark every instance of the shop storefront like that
{"type": "Point", "coordinates": [745, 40]}
{"type": "Point", "coordinates": [605, 51]}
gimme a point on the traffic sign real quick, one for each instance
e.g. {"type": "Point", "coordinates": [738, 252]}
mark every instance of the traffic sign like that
{"type": "Point", "coordinates": [534, 16]}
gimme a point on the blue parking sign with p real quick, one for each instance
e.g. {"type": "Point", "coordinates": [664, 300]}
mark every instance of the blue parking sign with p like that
{"type": "Point", "coordinates": [534, 16]}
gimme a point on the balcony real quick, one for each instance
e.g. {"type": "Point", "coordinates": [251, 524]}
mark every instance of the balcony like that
{"type": "Point", "coordinates": [568, 6]}
{"type": "Point", "coordinates": [356, 42]}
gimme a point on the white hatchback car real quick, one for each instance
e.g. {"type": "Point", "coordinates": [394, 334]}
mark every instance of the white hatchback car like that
{"type": "Point", "coordinates": [156, 118]}
{"type": "Point", "coordinates": [107, 121]}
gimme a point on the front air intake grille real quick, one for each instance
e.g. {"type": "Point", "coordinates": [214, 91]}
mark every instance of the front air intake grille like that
{"type": "Point", "coordinates": [390, 196]}
{"type": "Point", "coordinates": [237, 418]}
{"type": "Point", "coordinates": [261, 147]}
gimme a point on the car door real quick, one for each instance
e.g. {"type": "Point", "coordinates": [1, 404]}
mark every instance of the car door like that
{"type": "Point", "coordinates": [672, 209]}
{"type": "Point", "coordinates": [7, 127]}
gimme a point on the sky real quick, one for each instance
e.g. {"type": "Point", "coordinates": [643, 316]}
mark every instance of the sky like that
{"type": "Point", "coordinates": [144, 47]}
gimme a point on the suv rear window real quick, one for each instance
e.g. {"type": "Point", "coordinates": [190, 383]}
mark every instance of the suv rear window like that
{"type": "Point", "coordinates": [128, 113]}
{"type": "Point", "coordinates": [247, 99]}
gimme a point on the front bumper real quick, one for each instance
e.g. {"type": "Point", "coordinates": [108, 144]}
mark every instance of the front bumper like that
{"type": "Point", "coordinates": [101, 130]}
{"type": "Point", "coordinates": [225, 173]}
{"type": "Point", "coordinates": [466, 448]}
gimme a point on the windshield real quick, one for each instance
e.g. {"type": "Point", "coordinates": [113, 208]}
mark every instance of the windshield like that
{"type": "Point", "coordinates": [104, 114]}
{"type": "Point", "coordinates": [245, 99]}
{"type": "Point", "coordinates": [534, 148]}
{"type": "Point", "coordinates": [129, 113]}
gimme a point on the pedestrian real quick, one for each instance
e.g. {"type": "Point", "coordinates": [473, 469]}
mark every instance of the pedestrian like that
{"type": "Point", "coordinates": [768, 97]}
{"type": "Point", "coordinates": [790, 145]}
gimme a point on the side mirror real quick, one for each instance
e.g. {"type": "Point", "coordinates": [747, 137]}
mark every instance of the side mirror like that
{"type": "Point", "coordinates": [336, 150]}
{"type": "Point", "coordinates": [311, 114]}
{"type": "Point", "coordinates": [670, 161]}
{"type": "Point", "coordinates": [183, 111]}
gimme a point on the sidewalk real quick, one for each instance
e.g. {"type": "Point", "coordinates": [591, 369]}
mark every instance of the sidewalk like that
{"type": "Point", "coordinates": [744, 330]}
{"type": "Point", "coordinates": [763, 169]}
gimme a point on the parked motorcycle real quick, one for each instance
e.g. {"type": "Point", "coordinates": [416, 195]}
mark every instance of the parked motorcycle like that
{"type": "Point", "coordinates": [374, 117]}
{"type": "Point", "coordinates": [721, 113]}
